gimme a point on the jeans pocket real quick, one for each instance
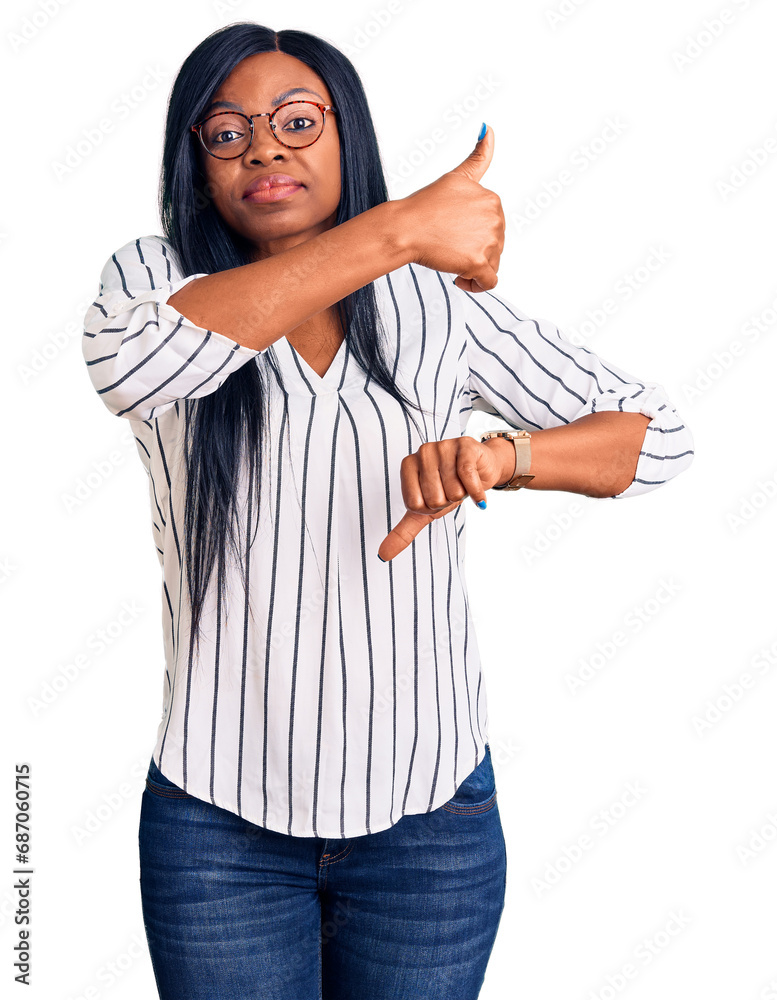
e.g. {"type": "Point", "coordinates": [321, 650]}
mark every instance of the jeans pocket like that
{"type": "Point", "coordinates": [157, 783]}
{"type": "Point", "coordinates": [477, 793]}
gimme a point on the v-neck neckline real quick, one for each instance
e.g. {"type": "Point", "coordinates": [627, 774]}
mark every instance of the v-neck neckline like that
{"type": "Point", "coordinates": [331, 376]}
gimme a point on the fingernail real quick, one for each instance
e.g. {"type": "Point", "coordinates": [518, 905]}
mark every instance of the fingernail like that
{"type": "Point", "coordinates": [483, 131]}
{"type": "Point", "coordinates": [481, 504]}
{"type": "Point", "coordinates": [381, 557]}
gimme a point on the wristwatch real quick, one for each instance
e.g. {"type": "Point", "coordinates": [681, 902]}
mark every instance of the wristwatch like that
{"type": "Point", "coordinates": [522, 442]}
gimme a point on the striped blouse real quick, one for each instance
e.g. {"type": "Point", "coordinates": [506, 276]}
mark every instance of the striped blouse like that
{"type": "Point", "coordinates": [349, 693]}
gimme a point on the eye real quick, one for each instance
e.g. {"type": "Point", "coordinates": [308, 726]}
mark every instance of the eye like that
{"type": "Point", "coordinates": [299, 118]}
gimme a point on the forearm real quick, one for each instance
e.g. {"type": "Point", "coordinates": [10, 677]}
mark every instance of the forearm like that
{"type": "Point", "coordinates": [595, 455]}
{"type": "Point", "coordinates": [258, 303]}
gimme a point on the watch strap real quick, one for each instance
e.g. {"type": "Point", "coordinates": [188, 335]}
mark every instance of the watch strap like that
{"type": "Point", "coordinates": [522, 443]}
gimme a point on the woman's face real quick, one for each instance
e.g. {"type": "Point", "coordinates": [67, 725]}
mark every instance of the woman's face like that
{"type": "Point", "coordinates": [257, 84]}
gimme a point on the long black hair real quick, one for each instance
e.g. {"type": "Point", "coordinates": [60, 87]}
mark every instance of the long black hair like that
{"type": "Point", "coordinates": [220, 426]}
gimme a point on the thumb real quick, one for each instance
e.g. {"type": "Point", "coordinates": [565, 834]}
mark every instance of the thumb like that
{"type": "Point", "coordinates": [479, 159]}
{"type": "Point", "coordinates": [402, 534]}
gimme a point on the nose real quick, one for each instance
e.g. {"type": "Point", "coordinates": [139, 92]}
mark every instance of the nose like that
{"type": "Point", "coordinates": [264, 146]}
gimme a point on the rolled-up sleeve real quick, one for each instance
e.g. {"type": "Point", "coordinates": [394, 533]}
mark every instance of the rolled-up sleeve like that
{"type": "Point", "coordinates": [527, 373]}
{"type": "Point", "coordinates": [142, 355]}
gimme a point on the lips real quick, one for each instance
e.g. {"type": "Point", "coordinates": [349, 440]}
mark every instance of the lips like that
{"type": "Point", "coordinates": [271, 180]}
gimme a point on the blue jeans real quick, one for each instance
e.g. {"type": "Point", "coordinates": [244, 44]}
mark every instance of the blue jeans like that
{"type": "Point", "coordinates": [234, 911]}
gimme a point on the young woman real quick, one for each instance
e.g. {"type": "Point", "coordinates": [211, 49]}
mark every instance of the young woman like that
{"type": "Point", "coordinates": [299, 357]}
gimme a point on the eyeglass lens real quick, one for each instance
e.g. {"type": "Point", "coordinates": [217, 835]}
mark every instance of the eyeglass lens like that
{"type": "Point", "coordinates": [228, 134]}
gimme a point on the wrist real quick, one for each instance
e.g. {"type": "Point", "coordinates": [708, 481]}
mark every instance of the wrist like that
{"type": "Point", "coordinates": [505, 453]}
{"type": "Point", "coordinates": [396, 230]}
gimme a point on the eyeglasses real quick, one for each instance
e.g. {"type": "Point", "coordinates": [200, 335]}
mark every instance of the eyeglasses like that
{"type": "Point", "coordinates": [228, 134]}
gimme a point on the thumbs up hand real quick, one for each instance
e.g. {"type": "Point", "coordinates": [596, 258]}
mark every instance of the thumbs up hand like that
{"type": "Point", "coordinates": [457, 226]}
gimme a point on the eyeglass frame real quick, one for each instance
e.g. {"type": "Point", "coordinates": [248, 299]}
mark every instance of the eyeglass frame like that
{"type": "Point", "coordinates": [323, 108]}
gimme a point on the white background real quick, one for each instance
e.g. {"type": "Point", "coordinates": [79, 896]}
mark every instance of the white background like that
{"type": "Point", "coordinates": [663, 886]}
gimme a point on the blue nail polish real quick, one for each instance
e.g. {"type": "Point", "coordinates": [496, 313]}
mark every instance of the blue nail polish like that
{"type": "Point", "coordinates": [382, 559]}
{"type": "Point", "coordinates": [481, 504]}
{"type": "Point", "coordinates": [483, 131]}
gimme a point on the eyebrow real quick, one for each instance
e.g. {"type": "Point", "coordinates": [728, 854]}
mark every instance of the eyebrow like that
{"type": "Point", "coordinates": [275, 102]}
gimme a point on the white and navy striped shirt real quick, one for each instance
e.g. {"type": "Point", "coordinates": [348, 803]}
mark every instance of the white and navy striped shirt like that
{"type": "Point", "coordinates": [350, 693]}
